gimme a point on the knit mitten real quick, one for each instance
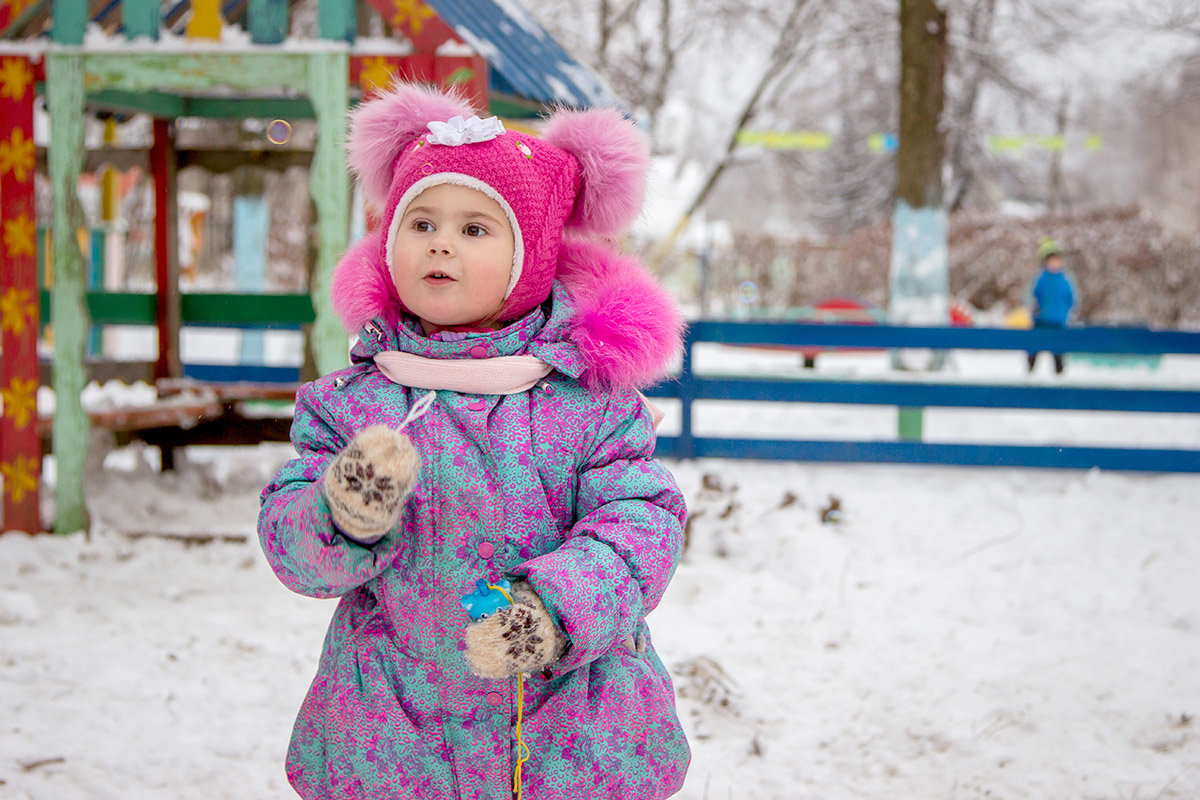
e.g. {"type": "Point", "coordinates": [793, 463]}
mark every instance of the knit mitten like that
{"type": "Point", "coordinates": [518, 638]}
{"type": "Point", "coordinates": [368, 482]}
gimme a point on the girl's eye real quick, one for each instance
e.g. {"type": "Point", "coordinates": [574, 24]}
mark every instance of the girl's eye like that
{"type": "Point", "coordinates": [475, 229]}
{"type": "Point", "coordinates": [423, 225]}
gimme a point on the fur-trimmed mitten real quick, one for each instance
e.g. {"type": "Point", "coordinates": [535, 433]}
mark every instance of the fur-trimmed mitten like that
{"type": "Point", "coordinates": [517, 638]}
{"type": "Point", "coordinates": [368, 482]}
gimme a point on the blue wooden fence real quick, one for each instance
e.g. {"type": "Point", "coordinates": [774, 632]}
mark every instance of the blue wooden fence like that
{"type": "Point", "coordinates": [913, 392]}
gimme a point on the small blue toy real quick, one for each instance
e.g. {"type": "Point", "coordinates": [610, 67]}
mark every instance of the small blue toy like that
{"type": "Point", "coordinates": [487, 599]}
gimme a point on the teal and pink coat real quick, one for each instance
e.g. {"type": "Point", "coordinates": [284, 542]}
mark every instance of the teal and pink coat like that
{"type": "Point", "coordinates": [556, 486]}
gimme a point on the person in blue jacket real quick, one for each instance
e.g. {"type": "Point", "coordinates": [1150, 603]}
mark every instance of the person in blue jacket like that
{"type": "Point", "coordinates": [1053, 297]}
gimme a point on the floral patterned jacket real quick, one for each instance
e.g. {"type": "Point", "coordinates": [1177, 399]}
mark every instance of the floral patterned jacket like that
{"type": "Point", "coordinates": [556, 486]}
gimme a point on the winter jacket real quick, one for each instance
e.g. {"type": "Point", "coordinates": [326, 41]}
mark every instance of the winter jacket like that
{"type": "Point", "coordinates": [555, 486]}
{"type": "Point", "coordinates": [1053, 298]}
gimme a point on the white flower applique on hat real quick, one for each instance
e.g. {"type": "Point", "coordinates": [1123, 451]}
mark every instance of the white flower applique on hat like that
{"type": "Point", "coordinates": [456, 130]}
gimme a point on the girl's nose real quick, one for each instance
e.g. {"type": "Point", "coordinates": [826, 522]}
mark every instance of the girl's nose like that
{"type": "Point", "coordinates": [440, 246]}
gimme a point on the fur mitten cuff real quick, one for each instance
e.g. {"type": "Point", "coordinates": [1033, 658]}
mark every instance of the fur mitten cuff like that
{"type": "Point", "coordinates": [518, 638]}
{"type": "Point", "coordinates": [368, 482]}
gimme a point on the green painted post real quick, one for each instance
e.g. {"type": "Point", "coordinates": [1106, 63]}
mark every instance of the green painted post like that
{"type": "Point", "coordinates": [328, 86]}
{"type": "Point", "coordinates": [68, 313]}
{"type": "Point", "coordinates": [269, 21]}
{"type": "Point", "coordinates": [336, 20]}
{"type": "Point", "coordinates": [70, 21]}
{"type": "Point", "coordinates": [142, 18]}
{"type": "Point", "coordinates": [910, 424]}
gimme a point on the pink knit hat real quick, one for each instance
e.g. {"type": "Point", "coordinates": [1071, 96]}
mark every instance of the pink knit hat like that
{"type": "Point", "coordinates": [586, 174]}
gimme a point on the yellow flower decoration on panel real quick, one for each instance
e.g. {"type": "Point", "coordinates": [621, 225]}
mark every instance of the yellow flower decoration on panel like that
{"type": "Point", "coordinates": [20, 401]}
{"type": "Point", "coordinates": [412, 13]}
{"type": "Point", "coordinates": [20, 478]}
{"type": "Point", "coordinates": [15, 78]}
{"type": "Point", "coordinates": [16, 155]}
{"type": "Point", "coordinates": [19, 237]}
{"type": "Point", "coordinates": [376, 74]}
{"type": "Point", "coordinates": [16, 308]}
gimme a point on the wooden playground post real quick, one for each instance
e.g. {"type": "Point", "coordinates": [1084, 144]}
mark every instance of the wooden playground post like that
{"type": "Point", "coordinates": [336, 20]}
{"type": "Point", "coordinates": [328, 88]}
{"type": "Point", "coordinates": [20, 453]}
{"type": "Point", "coordinates": [251, 248]}
{"type": "Point", "coordinates": [69, 21]}
{"type": "Point", "coordinates": [141, 18]}
{"type": "Point", "coordinates": [168, 315]}
{"type": "Point", "coordinates": [68, 309]}
{"type": "Point", "coordinates": [268, 21]}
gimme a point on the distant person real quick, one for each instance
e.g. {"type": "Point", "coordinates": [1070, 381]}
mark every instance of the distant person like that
{"type": "Point", "coordinates": [487, 444]}
{"type": "Point", "coordinates": [1053, 297]}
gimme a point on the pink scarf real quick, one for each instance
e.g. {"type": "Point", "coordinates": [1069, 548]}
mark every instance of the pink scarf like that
{"type": "Point", "coordinates": [498, 375]}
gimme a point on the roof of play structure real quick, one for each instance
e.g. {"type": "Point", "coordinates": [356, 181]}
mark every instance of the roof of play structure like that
{"type": "Point", "coordinates": [524, 61]}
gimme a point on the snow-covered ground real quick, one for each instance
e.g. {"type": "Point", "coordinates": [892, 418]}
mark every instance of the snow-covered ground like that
{"type": "Point", "coordinates": [951, 633]}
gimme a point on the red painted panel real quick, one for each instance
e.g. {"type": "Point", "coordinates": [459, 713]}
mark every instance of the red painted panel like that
{"type": "Point", "coordinates": [467, 73]}
{"type": "Point", "coordinates": [373, 73]}
{"type": "Point", "coordinates": [417, 22]}
{"type": "Point", "coordinates": [20, 452]}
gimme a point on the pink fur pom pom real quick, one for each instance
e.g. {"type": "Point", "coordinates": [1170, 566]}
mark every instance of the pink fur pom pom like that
{"type": "Point", "coordinates": [381, 127]}
{"type": "Point", "coordinates": [626, 326]}
{"type": "Point", "coordinates": [362, 288]}
{"type": "Point", "coordinates": [615, 159]}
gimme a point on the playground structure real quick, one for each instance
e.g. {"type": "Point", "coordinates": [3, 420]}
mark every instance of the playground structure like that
{"type": "Point", "coordinates": [186, 59]}
{"type": "Point", "coordinates": [169, 77]}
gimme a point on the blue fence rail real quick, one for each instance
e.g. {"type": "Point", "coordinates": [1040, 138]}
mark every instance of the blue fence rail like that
{"type": "Point", "coordinates": [915, 393]}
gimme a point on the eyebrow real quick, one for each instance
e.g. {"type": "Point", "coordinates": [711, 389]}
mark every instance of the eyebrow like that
{"type": "Point", "coordinates": [470, 215]}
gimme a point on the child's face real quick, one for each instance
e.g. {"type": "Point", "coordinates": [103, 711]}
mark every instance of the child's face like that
{"type": "Point", "coordinates": [452, 257]}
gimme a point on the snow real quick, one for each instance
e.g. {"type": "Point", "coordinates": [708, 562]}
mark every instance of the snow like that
{"type": "Point", "coordinates": [485, 48]}
{"type": "Point", "coordinates": [949, 633]}
{"type": "Point", "coordinates": [518, 14]}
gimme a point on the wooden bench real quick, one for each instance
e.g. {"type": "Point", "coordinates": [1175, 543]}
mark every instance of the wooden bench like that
{"type": "Point", "coordinates": [192, 413]}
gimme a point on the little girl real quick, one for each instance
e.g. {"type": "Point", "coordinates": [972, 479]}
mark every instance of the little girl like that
{"type": "Point", "coordinates": [489, 428]}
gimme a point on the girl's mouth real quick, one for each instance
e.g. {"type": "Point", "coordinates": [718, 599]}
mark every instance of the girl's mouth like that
{"type": "Point", "coordinates": [438, 277]}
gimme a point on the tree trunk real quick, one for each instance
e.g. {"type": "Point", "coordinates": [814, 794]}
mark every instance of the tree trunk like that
{"type": "Point", "coordinates": [922, 96]}
{"type": "Point", "coordinates": [919, 285]}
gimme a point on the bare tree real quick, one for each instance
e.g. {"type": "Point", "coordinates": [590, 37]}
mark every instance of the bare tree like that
{"type": "Point", "coordinates": [609, 21]}
{"type": "Point", "coordinates": [790, 46]}
{"type": "Point", "coordinates": [701, 70]}
{"type": "Point", "coordinates": [988, 39]}
{"type": "Point", "coordinates": [1168, 16]}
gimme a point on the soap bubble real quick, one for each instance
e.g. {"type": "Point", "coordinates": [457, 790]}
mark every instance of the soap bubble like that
{"type": "Point", "coordinates": [748, 292]}
{"type": "Point", "coordinates": [279, 131]}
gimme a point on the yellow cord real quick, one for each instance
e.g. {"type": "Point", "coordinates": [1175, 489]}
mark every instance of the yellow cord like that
{"type": "Point", "coordinates": [501, 591]}
{"type": "Point", "coordinates": [522, 749]}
